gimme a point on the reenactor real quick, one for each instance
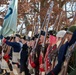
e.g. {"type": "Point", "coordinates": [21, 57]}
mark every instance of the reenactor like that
{"type": "Point", "coordinates": [24, 57]}
{"type": "Point", "coordinates": [32, 56]}
{"type": "Point", "coordinates": [42, 53]}
{"type": "Point", "coordinates": [71, 38]}
{"type": "Point", "coordinates": [6, 65]}
{"type": "Point", "coordinates": [16, 45]}
{"type": "Point", "coordinates": [51, 46]}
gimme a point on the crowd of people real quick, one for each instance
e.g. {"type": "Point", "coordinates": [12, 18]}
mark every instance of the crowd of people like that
{"type": "Point", "coordinates": [33, 55]}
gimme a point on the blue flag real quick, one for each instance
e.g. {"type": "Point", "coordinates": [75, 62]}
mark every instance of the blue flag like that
{"type": "Point", "coordinates": [10, 20]}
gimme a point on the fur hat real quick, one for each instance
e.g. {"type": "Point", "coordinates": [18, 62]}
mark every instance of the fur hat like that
{"type": "Point", "coordinates": [61, 33]}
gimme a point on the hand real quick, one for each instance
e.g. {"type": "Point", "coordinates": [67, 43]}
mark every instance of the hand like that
{"type": "Point", "coordinates": [4, 40]}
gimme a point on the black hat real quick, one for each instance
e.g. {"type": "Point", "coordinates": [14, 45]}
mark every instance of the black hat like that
{"type": "Point", "coordinates": [36, 35]}
{"type": "Point", "coordinates": [52, 32]}
{"type": "Point", "coordinates": [23, 37]}
{"type": "Point", "coordinates": [8, 38]}
{"type": "Point", "coordinates": [12, 37]}
{"type": "Point", "coordinates": [43, 33]}
{"type": "Point", "coordinates": [17, 35]}
{"type": "Point", "coordinates": [33, 38]}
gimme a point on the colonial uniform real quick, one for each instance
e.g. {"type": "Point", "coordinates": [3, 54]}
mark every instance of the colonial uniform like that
{"type": "Point", "coordinates": [51, 47]}
{"type": "Point", "coordinates": [24, 57]}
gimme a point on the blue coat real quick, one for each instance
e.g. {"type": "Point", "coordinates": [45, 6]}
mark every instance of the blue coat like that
{"type": "Point", "coordinates": [16, 46]}
{"type": "Point", "coordinates": [61, 57]}
{"type": "Point", "coordinates": [24, 54]}
{"type": "Point", "coordinates": [24, 57]}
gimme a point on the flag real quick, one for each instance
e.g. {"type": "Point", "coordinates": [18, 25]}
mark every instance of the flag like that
{"type": "Point", "coordinates": [10, 20]}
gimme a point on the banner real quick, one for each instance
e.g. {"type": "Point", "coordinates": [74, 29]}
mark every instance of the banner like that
{"type": "Point", "coordinates": [10, 20]}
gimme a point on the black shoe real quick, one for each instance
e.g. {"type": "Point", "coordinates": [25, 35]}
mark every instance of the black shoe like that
{"type": "Point", "coordinates": [10, 67]}
{"type": "Point", "coordinates": [1, 71]}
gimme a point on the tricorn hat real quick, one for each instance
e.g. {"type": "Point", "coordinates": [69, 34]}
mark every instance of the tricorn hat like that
{"type": "Point", "coordinates": [8, 38]}
{"type": "Point", "coordinates": [43, 33]}
{"type": "Point", "coordinates": [23, 37]}
{"type": "Point", "coordinates": [36, 35]}
{"type": "Point", "coordinates": [52, 32]}
{"type": "Point", "coordinates": [17, 35]}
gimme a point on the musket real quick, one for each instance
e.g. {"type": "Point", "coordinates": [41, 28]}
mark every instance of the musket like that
{"type": "Point", "coordinates": [51, 47]}
{"type": "Point", "coordinates": [54, 28]}
{"type": "Point", "coordinates": [47, 18]}
{"type": "Point", "coordinates": [60, 18]}
{"type": "Point", "coordinates": [46, 31]}
{"type": "Point", "coordinates": [57, 18]}
{"type": "Point", "coordinates": [56, 22]}
{"type": "Point", "coordinates": [67, 59]}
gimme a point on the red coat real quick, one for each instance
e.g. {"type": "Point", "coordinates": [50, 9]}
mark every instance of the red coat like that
{"type": "Point", "coordinates": [47, 61]}
{"type": "Point", "coordinates": [31, 61]}
{"type": "Point", "coordinates": [41, 65]}
{"type": "Point", "coordinates": [47, 58]}
{"type": "Point", "coordinates": [6, 57]}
